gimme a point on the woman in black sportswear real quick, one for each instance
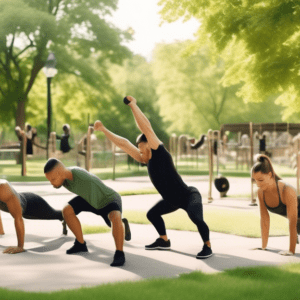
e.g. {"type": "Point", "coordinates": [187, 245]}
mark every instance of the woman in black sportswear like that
{"type": "Point", "coordinates": [277, 197]}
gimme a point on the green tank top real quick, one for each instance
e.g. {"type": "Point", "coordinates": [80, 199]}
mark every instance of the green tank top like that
{"type": "Point", "coordinates": [89, 187]}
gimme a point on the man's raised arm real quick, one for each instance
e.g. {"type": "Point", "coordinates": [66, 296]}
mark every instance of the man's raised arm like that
{"type": "Point", "coordinates": [119, 141]}
{"type": "Point", "coordinates": [142, 122]}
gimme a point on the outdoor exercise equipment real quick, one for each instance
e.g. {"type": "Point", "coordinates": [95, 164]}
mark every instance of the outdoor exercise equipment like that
{"type": "Point", "coordinates": [173, 147]}
{"type": "Point", "coordinates": [210, 164]}
{"type": "Point", "coordinates": [84, 147]}
{"type": "Point", "coordinates": [23, 139]}
{"type": "Point", "coordinates": [23, 147]}
{"type": "Point", "coordinates": [199, 143]}
{"type": "Point", "coordinates": [64, 139]}
{"type": "Point", "coordinates": [296, 141]}
{"type": "Point", "coordinates": [249, 128]}
{"type": "Point", "coordinates": [221, 183]}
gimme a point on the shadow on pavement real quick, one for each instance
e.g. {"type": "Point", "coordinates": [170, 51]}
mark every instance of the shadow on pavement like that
{"type": "Point", "coordinates": [140, 265]}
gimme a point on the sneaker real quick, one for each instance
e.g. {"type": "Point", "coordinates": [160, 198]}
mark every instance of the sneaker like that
{"type": "Point", "coordinates": [119, 259]}
{"type": "Point", "coordinates": [77, 247]}
{"type": "Point", "coordinates": [64, 225]}
{"type": "Point", "coordinates": [127, 230]}
{"type": "Point", "coordinates": [159, 244]}
{"type": "Point", "coordinates": [205, 253]}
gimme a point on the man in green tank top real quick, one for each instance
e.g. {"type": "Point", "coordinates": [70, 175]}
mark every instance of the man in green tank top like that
{"type": "Point", "coordinates": [92, 196]}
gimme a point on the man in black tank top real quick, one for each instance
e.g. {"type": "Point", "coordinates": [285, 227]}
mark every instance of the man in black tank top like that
{"type": "Point", "coordinates": [28, 206]}
{"type": "Point", "coordinates": [164, 176]}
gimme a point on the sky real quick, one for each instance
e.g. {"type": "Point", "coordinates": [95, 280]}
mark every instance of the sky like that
{"type": "Point", "coordinates": [143, 17]}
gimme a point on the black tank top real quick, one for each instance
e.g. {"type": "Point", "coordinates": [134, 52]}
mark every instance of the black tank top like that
{"type": "Point", "coordinates": [165, 178]}
{"type": "Point", "coordinates": [281, 208]}
{"type": "Point", "coordinates": [23, 203]}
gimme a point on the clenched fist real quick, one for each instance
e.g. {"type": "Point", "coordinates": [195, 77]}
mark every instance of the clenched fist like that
{"type": "Point", "coordinates": [129, 100]}
{"type": "Point", "coordinates": [98, 126]}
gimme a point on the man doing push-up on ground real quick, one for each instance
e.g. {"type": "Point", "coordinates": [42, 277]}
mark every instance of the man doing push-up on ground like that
{"type": "Point", "coordinates": [28, 206]}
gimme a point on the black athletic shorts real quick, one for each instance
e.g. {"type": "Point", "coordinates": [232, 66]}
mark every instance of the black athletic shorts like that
{"type": "Point", "coordinates": [79, 204]}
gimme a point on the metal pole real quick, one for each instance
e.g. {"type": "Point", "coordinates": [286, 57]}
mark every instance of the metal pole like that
{"type": "Point", "coordinates": [23, 151]}
{"type": "Point", "coordinates": [210, 164]}
{"type": "Point", "coordinates": [88, 150]}
{"type": "Point", "coordinates": [49, 112]}
{"type": "Point", "coordinates": [298, 163]}
{"type": "Point", "coordinates": [114, 161]}
{"type": "Point", "coordinates": [253, 199]}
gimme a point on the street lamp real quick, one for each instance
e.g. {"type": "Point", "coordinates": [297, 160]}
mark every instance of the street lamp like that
{"type": "Point", "coordinates": [50, 71]}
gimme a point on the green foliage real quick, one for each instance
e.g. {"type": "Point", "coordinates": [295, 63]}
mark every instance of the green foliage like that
{"type": "Point", "coordinates": [135, 78]}
{"type": "Point", "coordinates": [76, 31]}
{"type": "Point", "coordinates": [192, 97]}
{"type": "Point", "coordinates": [259, 41]}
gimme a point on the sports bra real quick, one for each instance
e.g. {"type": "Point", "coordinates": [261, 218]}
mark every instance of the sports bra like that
{"type": "Point", "coordinates": [281, 208]}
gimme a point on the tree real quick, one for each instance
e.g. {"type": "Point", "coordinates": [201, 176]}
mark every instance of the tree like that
{"type": "Point", "coordinates": [74, 30]}
{"type": "Point", "coordinates": [192, 97]}
{"type": "Point", "coordinates": [259, 41]}
{"type": "Point", "coordinates": [135, 78]}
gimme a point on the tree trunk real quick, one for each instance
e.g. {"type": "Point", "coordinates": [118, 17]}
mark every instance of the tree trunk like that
{"type": "Point", "coordinates": [20, 113]}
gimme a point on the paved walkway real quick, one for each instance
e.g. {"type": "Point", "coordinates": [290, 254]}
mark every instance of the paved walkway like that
{"type": "Point", "coordinates": [45, 266]}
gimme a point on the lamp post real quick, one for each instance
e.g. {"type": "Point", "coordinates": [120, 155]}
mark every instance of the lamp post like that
{"type": "Point", "coordinates": [50, 71]}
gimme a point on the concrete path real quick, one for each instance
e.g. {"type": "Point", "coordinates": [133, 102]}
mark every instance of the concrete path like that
{"type": "Point", "coordinates": [45, 266]}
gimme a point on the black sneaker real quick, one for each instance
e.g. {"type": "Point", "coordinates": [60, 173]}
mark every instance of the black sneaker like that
{"type": "Point", "coordinates": [77, 247]}
{"type": "Point", "coordinates": [205, 253]}
{"type": "Point", "coordinates": [127, 230]}
{"type": "Point", "coordinates": [119, 259]}
{"type": "Point", "coordinates": [64, 225]}
{"type": "Point", "coordinates": [159, 244]}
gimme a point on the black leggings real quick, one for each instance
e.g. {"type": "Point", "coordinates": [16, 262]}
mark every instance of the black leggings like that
{"type": "Point", "coordinates": [38, 208]}
{"type": "Point", "coordinates": [193, 208]}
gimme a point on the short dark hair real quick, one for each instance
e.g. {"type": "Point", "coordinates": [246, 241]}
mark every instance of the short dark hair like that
{"type": "Point", "coordinates": [141, 138]}
{"type": "Point", "coordinates": [50, 165]}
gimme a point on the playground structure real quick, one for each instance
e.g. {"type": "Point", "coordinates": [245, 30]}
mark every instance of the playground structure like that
{"type": "Point", "coordinates": [279, 147]}
{"type": "Point", "coordinates": [212, 149]}
{"type": "Point", "coordinates": [280, 141]}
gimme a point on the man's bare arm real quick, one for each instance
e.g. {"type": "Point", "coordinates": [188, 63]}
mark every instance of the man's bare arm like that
{"type": "Point", "coordinates": [119, 141]}
{"type": "Point", "coordinates": [143, 123]}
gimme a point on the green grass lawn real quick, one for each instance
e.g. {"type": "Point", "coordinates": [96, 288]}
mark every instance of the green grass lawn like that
{"type": "Point", "coordinates": [237, 222]}
{"type": "Point", "coordinates": [91, 229]}
{"type": "Point", "coordinates": [12, 172]}
{"type": "Point", "coordinates": [257, 283]}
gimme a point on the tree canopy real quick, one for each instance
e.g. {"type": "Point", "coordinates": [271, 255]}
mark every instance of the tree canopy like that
{"type": "Point", "coordinates": [259, 41]}
{"type": "Point", "coordinates": [191, 96]}
{"type": "Point", "coordinates": [75, 31]}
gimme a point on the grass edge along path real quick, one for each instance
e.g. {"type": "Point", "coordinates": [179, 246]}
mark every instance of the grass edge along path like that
{"type": "Point", "coordinates": [275, 282]}
{"type": "Point", "coordinates": [236, 222]}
